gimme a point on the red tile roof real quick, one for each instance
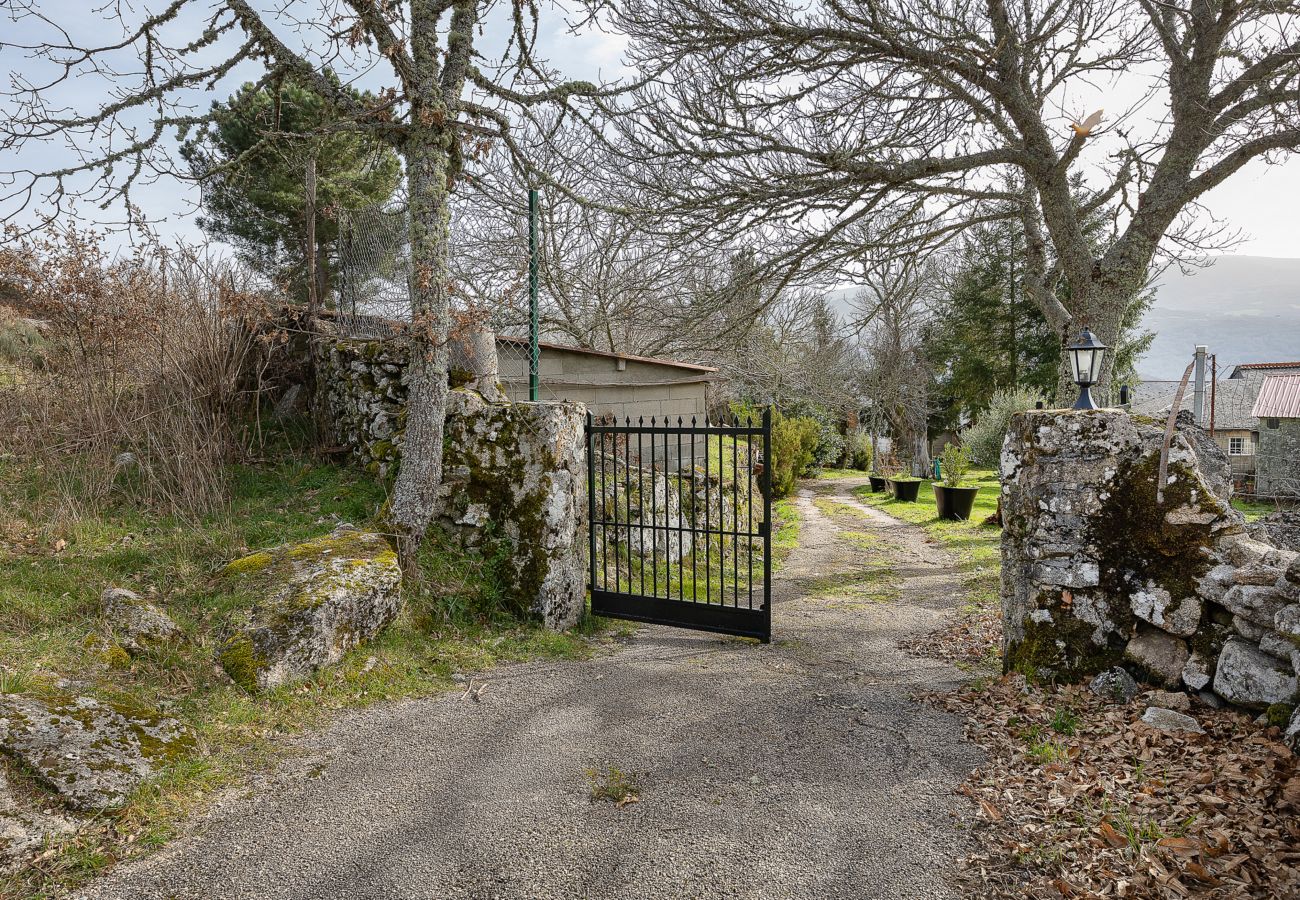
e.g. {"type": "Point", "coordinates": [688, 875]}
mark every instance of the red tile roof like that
{"type": "Point", "coordinates": [1279, 398]}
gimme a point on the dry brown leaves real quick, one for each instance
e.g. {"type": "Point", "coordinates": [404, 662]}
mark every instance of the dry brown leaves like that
{"type": "Point", "coordinates": [973, 638]}
{"type": "Point", "coordinates": [1079, 799]}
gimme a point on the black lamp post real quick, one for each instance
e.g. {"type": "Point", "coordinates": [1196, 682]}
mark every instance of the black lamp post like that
{"type": "Point", "coordinates": [1086, 355]}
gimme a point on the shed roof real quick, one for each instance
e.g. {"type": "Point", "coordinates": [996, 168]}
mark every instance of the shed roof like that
{"type": "Point", "coordinates": [1233, 401]}
{"type": "Point", "coordinates": [359, 325]}
{"type": "Point", "coordinates": [1279, 398]}
{"type": "Point", "coordinates": [566, 348]}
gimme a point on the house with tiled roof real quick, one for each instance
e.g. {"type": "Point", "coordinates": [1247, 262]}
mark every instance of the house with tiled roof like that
{"type": "Point", "coordinates": [1229, 416]}
{"type": "Point", "coordinates": [1228, 406]}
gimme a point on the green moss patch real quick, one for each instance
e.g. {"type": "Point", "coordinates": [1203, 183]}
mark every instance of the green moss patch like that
{"type": "Point", "coordinates": [1137, 541]}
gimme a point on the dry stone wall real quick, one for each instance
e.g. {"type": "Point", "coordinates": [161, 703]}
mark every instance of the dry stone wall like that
{"type": "Point", "coordinates": [1099, 572]}
{"type": "Point", "coordinates": [511, 471]}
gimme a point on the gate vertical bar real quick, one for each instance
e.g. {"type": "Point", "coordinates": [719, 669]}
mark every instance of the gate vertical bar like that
{"type": "Point", "coordinates": [640, 496]}
{"type": "Point", "coordinates": [735, 516]}
{"type": "Point", "coordinates": [750, 484]}
{"type": "Point", "coordinates": [681, 520]}
{"type": "Point", "coordinates": [708, 529]}
{"type": "Point", "coordinates": [767, 524]}
{"type": "Point", "coordinates": [591, 503]}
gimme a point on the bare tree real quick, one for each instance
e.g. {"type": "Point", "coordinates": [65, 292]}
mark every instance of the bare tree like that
{"type": "Point", "coordinates": [811, 118]}
{"type": "Point", "coordinates": [894, 308]}
{"type": "Point", "coordinates": [613, 275]}
{"type": "Point", "coordinates": [798, 358]}
{"type": "Point", "coordinates": [440, 97]}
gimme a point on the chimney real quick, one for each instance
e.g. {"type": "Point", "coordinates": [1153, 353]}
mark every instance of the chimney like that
{"type": "Point", "coordinates": [1198, 395]}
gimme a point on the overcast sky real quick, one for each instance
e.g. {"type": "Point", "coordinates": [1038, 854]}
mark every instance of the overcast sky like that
{"type": "Point", "coordinates": [1258, 201]}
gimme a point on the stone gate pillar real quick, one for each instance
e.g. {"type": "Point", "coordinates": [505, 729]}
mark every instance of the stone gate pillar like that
{"type": "Point", "coordinates": [1097, 571]}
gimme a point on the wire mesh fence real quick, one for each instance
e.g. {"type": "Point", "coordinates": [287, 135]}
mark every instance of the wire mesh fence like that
{"type": "Point", "coordinates": [374, 295]}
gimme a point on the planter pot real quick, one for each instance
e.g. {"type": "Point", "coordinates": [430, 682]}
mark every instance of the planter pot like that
{"type": "Point", "coordinates": [904, 491]}
{"type": "Point", "coordinates": [877, 483]}
{"type": "Point", "coordinates": [954, 502]}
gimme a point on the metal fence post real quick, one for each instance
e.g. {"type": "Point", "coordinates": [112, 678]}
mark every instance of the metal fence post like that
{"type": "Point", "coordinates": [534, 384]}
{"type": "Point", "coordinates": [767, 523]}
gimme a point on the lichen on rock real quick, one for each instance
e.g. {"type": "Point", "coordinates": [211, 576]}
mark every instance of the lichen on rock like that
{"type": "Point", "coordinates": [319, 599]}
{"type": "Point", "coordinates": [25, 831]}
{"type": "Point", "coordinates": [1249, 677]}
{"type": "Point", "coordinates": [91, 752]}
{"type": "Point", "coordinates": [135, 622]}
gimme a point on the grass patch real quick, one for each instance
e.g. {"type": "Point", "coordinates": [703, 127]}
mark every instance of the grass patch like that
{"type": "Point", "coordinates": [786, 528]}
{"type": "Point", "coordinates": [833, 474]}
{"type": "Point", "coordinates": [54, 565]}
{"type": "Point", "coordinates": [1065, 721]}
{"type": "Point", "coordinates": [613, 786]}
{"type": "Point", "coordinates": [1254, 510]}
{"type": "Point", "coordinates": [876, 583]}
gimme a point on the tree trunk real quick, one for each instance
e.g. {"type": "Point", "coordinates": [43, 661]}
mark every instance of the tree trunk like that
{"type": "Point", "coordinates": [420, 473]}
{"type": "Point", "coordinates": [921, 464]}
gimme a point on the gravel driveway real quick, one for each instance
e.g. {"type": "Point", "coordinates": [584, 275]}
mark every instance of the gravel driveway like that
{"type": "Point", "coordinates": [798, 769]}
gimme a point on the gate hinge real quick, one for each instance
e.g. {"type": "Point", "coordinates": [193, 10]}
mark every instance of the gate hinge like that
{"type": "Point", "coordinates": [762, 529]}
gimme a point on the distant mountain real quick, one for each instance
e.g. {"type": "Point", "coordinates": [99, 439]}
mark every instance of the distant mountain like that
{"type": "Point", "coordinates": [1244, 308]}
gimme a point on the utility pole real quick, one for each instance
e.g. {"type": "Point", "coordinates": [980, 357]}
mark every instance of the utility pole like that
{"type": "Point", "coordinates": [534, 353]}
{"type": "Point", "coordinates": [1214, 381]}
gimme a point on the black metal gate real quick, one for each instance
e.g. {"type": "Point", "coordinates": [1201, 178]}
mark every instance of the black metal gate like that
{"type": "Point", "coordinates": [681, 523]}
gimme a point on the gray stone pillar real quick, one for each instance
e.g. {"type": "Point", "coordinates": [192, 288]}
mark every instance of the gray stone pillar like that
{"type": "Point", "coordinates": [473, 362]}
{"type": "Point", "coordinates": [1097, 573]}
{"type": "Point", "coordinates": [517, 472]}
{"type": "Point", "coordinates": [1094, 570]}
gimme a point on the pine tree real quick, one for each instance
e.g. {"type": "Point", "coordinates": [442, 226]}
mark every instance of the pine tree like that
{"type": "Point", "coordinates": [251, 158]}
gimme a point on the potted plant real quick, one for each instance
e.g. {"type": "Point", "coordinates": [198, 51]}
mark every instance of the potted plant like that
{"type": "Point", "coordinates": [885, 465]}
{"type": "Point", "coordinates": [903, 487]}
{"type": "Point", "coordinates": [951, 496]}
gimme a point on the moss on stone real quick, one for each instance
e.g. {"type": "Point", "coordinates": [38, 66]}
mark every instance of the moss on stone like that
{"type": "Point", "coordinates": [1136, 541]}
{"type": "Point", "coordinates": [241, 661]}
{"type": "Point", "coordinates": [1210, 637]}
{"type": "Point", "coordinates": [253, 564]}
{"type": "Point", "coordinates": [1063, 649]}
{"type": "Point", "coordinates": [345, 543]}
{"type": "Point", "coordinates": [1279, 714]}
{"type": "Point", "coordinates": [116, 657]}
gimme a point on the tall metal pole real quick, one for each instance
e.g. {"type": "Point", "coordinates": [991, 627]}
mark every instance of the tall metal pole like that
{"type": "Point", "coordinates": [534, 354]}
{"type": "Point", "coordinates": [309, 257]}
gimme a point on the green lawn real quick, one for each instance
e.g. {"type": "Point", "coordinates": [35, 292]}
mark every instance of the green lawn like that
{"type": "Point", "coordinates": [55, 564]}
{"type": "Point", "coordinates": [826, 474]}
{"type": "Point", "coordinates": [1253, 509]}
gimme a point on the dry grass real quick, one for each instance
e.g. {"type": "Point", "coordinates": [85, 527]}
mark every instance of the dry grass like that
{"type": "Point", "coordinates": [136, 385]}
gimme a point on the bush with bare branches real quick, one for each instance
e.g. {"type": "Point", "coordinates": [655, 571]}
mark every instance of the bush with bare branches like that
{"type": "Point", "coordinates": [140, 393]}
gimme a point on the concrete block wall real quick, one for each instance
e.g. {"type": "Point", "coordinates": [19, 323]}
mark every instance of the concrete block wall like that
{"type": "Point", "coordinates": [1277, 464]}
{"type": "Point", "coordinates": [610, 386]}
